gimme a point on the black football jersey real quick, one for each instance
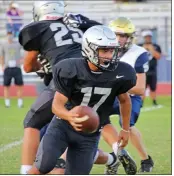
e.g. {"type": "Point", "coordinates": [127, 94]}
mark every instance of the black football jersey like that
{"type": "Point", "coordinates": [75, 80]}
{"type": "Point", "coordinates": [53, 39]}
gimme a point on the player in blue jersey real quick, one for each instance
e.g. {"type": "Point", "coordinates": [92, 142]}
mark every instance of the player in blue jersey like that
{"type": "Point", "coordinates": [137, 57]}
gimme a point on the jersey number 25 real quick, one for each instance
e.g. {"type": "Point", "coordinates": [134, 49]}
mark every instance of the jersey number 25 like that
{"type": "Point", "coordinates": [76, 34]}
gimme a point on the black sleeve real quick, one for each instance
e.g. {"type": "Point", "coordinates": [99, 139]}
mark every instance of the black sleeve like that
{"type": "Point", "coordinates": [64, 78]}
{"type": "Point", "coordinates": [87, 23]}
{"type": "Point", "coordinates": [29, 36]}
{"type": "Point", "coordinates": [126, 85]}
{"type": "Point", "coordinates": [106, 120]}
{"type": "Point", "coordinates": [128, 82]}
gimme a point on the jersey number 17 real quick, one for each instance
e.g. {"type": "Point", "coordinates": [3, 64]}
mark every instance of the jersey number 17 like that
{"type": "Point", "coordinates": [88, 93]}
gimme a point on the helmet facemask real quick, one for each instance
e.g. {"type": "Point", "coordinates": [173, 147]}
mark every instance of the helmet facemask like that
{"type": "Point", "coordinates": [104, 63]}
{"type": "Point", "coordinates": [129, 41]}
{"type": "Point", "coordinates": [35, 16]}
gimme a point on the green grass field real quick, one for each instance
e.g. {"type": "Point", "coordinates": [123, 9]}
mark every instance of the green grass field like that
{"type": "Point", "coordinates": [155, 126]}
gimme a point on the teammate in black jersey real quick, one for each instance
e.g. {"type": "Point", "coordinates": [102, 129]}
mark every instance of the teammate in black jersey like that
{"type": "Point", "coordinates": [49, 37]}
{"type": "Point", "coordinates": [94, 81]}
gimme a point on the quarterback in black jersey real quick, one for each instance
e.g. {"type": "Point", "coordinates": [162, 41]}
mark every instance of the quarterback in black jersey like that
{"type": "Point", "coordinates": [53, 39]}
{"type": "Point", "coordinates": [94, 81]}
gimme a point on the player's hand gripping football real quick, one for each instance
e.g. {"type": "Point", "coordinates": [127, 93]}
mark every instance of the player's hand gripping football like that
{"type": "Point", "coordinates": [123, 138]}
{"type": "Point", "coordinates": [75, 121]}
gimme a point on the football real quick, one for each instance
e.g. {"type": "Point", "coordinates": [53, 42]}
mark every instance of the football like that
{"type": "Point", "coordinates": [90, 125]}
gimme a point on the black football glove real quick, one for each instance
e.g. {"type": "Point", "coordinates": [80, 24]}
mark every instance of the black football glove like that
{"type": "Point", "coordinates": [40, 73]}
{"type": "Point", "coordinates": [45, 64]}
{"type": "Point", "coordinates": [48, 78]}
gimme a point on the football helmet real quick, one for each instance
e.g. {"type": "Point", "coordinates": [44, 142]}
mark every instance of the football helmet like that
{"type": "Point", "coordinates": [123, 25]}
{"type": "Point", "coordinates": [48, 10]}
{"type": "Point", "coordinates": [97, 37]}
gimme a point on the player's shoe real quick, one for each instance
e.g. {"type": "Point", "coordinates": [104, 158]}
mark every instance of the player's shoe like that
{"type": "Point", "coordinates": [128, 163]}
{"type": "Point", "coordinates": [112, 168]}
{"type": "Point", "coordinates": [147, 165]}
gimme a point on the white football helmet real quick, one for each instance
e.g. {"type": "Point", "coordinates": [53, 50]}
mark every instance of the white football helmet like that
{"type": "Point", "coordinates": [123, 25]}
{"type": "Point", "coordinates": [48, 10]}
{"type": "Point", "coordinates": [96, 37]}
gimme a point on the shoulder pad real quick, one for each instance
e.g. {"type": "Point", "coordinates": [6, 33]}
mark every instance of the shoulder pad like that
{"type": "Point", "coordinates": [138, 49]}
{"type": "Point", "coordinates": [29, 36]}
{"type": "Point", "coordinates": [66, 68]}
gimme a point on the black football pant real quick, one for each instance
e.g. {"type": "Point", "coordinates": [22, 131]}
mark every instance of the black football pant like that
{"type": "Point", "coordinates": [81, 148]}
{"type": "Point", "coordinates": [40, 112]}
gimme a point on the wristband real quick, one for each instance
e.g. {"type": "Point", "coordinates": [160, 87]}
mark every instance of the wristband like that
{"type": "Point", "coordinates": [127, 131]}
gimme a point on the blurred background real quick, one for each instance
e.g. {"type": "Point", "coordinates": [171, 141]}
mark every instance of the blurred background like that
{"type": "Point", "coordinates": [146, 14]}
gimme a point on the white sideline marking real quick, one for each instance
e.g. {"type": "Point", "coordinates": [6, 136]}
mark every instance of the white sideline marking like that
{"type": "Point", "coordinates": [146, 109]}
{"type": "Point", "coordinates": [10, 145]}
{"type": "Point", "coordinates": [16, 143]}
{"type": "Point", "coordinates": [152, 108]}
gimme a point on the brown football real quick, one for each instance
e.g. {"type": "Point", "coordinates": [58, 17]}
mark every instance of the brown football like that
{"type": "Point", "coordinates": [90, 125]}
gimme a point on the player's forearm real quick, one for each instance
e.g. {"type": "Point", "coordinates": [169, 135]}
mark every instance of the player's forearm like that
{"type": "Point", "coordinates": [30, 61]}
{"type": "Point", "coordinates": [28, 67]}
{"type": "Point", "coordinates": [58, 107]}
{"type": "Point", "coordinates": [137, 90]}
{"type": "Point", "coordinates": [140, 86]}
{"type": "Point", "coordinates": [60, 111]}
{"type": "Point", "coordinates": [125, 112]}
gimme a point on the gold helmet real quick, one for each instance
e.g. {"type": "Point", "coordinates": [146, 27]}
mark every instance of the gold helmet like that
{"type": "Point", "coordinates": [123, 25]}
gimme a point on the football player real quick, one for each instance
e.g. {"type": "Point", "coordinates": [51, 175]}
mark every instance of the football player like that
{"type": "Point", "coordinates": [137, 57]}
{"type": "Point", "coordinates": [50, 39]}
{"type": "Point", "coordinates": [110, 159]}
{"type": "Point", "coordinates": [94, 81]}
{"type": "Point", "coordinates": [154, 51]}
